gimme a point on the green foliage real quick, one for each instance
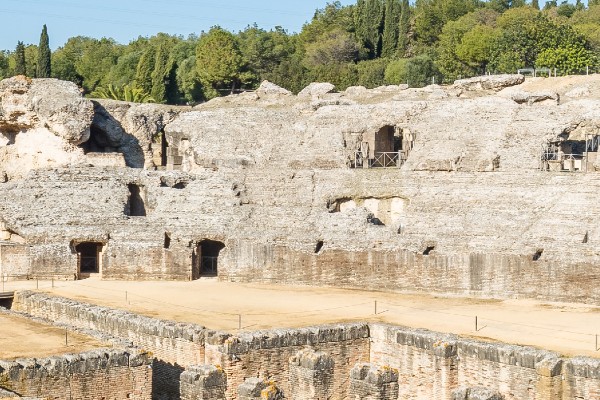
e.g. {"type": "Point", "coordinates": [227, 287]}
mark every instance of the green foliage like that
{"type": "Point", "coordinates": [403, 29]}
{"type": "Point", "coordinates": [145, 67]}
{"type": "Point", "coordinates": [566, 60]}
{"type": "Point", "coordinates": [369, 17]}
{"type": "Point", "coordinates": [334, 47]}
{"type": "Point", "coordinates": [20, 64]}
{"type": "Point", "coordinates": [219, 62]}
{"type": "Point", "coordinates": [371, 43]}
{"type": "Point", "coordinates": [124, 93]}
{"type": "Point", "coordinates": [371, 73]}
{"type": "Point", "coordinates": [416, 71]}
{"type": "Point", "coordinates": [44, 65]}
{"type": "Point", "coordinates": [391, 26]}
{"type": "Point", "coordinates": [31, 60]}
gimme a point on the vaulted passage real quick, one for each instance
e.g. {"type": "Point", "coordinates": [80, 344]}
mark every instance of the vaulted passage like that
{"type": "Point", "coordinates": [205, 258]}
{"type": "Point", "coordinates": [89, 259]}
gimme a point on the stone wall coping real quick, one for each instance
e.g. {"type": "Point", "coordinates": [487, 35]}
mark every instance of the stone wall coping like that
{"type": "Point", "coordinates": [122, 319]}
{"type": "Point", "coordinates": [584, 367]}
{"type": "Point", "coordinates": [69, 364]}
{"type": "Point", "coordinates": [276, 338]}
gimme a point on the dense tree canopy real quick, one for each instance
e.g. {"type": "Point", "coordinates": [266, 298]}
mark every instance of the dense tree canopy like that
{"type": "Point", "coordinates": [371, 43]}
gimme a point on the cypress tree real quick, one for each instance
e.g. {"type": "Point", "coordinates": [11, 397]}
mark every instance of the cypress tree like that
{"type": "Point", "coordinates": [535, 4]}
{"type": "Point", "coordinates": [369, 24]}
{"type": "Point", "coordinates": [161, 72]}
{"type": "Point", "coordinates": [20, 68]}
{"type": "Point", "coordinates": [391, 24]}
{"type": "Point", "coordinates": [404, 29]}
{"type": "Point", "coordinates": [44, 55]}
{"type": "Point", "coordinates": [145, 68]}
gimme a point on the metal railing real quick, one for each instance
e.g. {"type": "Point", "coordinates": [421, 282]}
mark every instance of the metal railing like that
{"type": "Point", "coordinates": [564, 162]}
{"type": "Point", "coordinates": [209, 266]}
{"type": "Point", "coordinates": [388, 159]}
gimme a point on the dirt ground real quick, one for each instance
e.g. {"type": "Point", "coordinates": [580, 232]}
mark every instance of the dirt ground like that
{"type": "Point", "coordinates": [569, 329]}
{"type": "Point", "coordinates": [22, 338]}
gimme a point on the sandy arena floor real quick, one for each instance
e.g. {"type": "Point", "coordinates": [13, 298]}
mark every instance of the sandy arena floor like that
{"type": "Point", "coordinates": [21, 338]}
{"type": "Point", "coordinates": [569, 329]}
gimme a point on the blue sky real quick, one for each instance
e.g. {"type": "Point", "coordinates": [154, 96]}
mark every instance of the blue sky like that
{"type": "Point", "coordinates": [126, 20]}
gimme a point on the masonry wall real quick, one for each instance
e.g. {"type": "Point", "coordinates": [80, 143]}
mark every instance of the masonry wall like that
{"type": "Point", "coordinates": [495, 275]}
{"type": "Point", "coordinates": [267, 354]}
{"type": "Point", "coordinates": [99, 374]}
{"type": "Point", "coordinates": [173, 345]}
{"type": "Point", "coordinates": [14, 260]}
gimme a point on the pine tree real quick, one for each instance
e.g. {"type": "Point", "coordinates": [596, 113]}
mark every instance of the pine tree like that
{"type": "Point", "coordinates": [403, 29]}
{"type": "Point", "coordinates": [389, 40]}
{"type": "Point", "coordinates": [20, 68]}
{"type": "Point", "coordinates": [44, 55]}
{"type": "Point", "coordinates": [535, 4]}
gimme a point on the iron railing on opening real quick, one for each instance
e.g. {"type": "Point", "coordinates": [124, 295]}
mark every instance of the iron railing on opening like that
{"type": "Point", "coordinates": [88, 264]}
{"type": "Point", "coordinates": [563, 162]}
{"type": "Point", "coordinates": [388, 159]}
{"type": "Point", "coordinates": [209, 266]}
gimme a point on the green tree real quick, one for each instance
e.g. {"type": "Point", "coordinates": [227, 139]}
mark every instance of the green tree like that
{"type": "Point", "coordinates": [31, 60]}
{"type": "Point", "coordinates": [535, 4]}
{"type": "Point", "coordinates": [334, 47]}
{"type": "Point", "coordinates": [44, 65]}
{"type": "Point", "coordinates": [264, 51]}
{"type": "Point", "coordinates": [403, 29]}
{"type": "Point", "coordinates": [219, 62]}
{"type": "Point", "coordinates": [20, 65]}
{"type": "Point", "coordinates": [371, 73]}
{"type": "Point", "coordinates": [391, 25]}
{"type": "Point", "coordinates": [566, 60]}
{"type": "Point", "coordinates": [145, 67]}
{"type": "Point", "coordinates": [415, 71]}
{"type": "Point", "coordinates": [162, 75]}
{"type": "Point", "coordinates": [96, 59]}
{"type": "Point", "coordinates": [369, 17]}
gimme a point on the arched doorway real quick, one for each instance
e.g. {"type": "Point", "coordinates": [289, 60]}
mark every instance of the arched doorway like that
{"type": "Point", "coordinates": [205, 259]}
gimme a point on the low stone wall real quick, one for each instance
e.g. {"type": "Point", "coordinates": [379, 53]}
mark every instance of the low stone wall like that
{"type": "Point", "coordinates": [174, 345]}
{"type": "Point", "coordinates": [99, 374]}
{"type": "Point", "coordinates": [267, 354]}
{"type": "Point", "coordinates": [14, 259]}
{"type": "Point", "coordinates": [433, 365]}
{"type": "Point", "coordinates": [335, 361]}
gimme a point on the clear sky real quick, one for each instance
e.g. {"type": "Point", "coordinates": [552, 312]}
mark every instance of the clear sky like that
{"type": "Point", "coordinates": [125, 20]}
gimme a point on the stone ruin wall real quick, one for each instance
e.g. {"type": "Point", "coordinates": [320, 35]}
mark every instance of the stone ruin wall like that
{"type": "Point", "coordinates": [99, 374]}
{"type": "Point", "coordinates": [341, 361]}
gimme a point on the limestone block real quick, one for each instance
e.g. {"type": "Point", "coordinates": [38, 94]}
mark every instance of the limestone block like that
{"type": "Point", "coordinates": [476, 394]}
{"type": "Point", "coordinates": [311, 375]}
{"type": "Point", "coordinates": [369, 382]}
{"type": "Point", "coordinates": [255, 388]}
{"type": "Point", "coordinates": [316, 89]}
{"type": "Point", "coordinates": [489, 82]}
{"type": "Point", "coordinates": [267, 88]}
{"type": "Point", "coordinates": [204, 382]}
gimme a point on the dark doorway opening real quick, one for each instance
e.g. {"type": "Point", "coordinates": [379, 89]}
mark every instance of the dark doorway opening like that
{"type": "Point", "coordinates": [205, 259]}
{"type": "Point", "coordinates": [89, 257]}
{"type": "Point", "coordinates": [537, 254]}
{"type": "Point", "coordinates": [135, 203]}
{"type": "Point", "coordinates": [428, 250]}
{"type": "Point", "coordinates": [164, 148]}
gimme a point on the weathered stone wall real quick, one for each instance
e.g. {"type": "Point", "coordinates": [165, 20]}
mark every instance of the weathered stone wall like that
{"type": "Point", "coordinates": [267, 354]}
{"type": "Point", "coordinates": [15, 260]}
{"type": "Point", "coordinates": [433, 365]}
{"type": "Point", "coordinates": [315, 361]}
{"type": "Point", "coordinates": [99, 374]}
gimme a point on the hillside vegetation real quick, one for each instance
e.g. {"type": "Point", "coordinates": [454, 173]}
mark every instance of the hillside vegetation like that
{"type": "Point", "coordinates": [371, 43]}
